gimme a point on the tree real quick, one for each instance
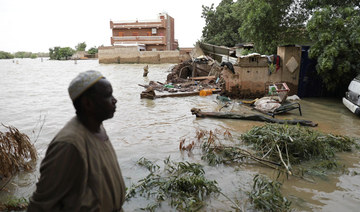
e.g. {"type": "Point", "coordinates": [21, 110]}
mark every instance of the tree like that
{"type": "Point", "coordinates": [6, 55]}
{"type": "Point", "coordinates": [266, 23]}
{"type": "Point", "coordinates": [333, 31]}
{"type": "Point", "coordinates": [316, 4]}
{"type": "Point", "coordinates": [221, 24]}
{"type": "Point", "coordinates": [93, 50]}
{"type": "Point", "coordinates": [80, 46]}
{"type": "Point", "coordinates": [25, 55]}
{"type": "Point", "coordinates": [59, 53]}
{"type": "Point", "coordinates": [336, 35]}
{"type": "Point", "coordinates": [269, 23]}
{"type": "Point", "coordinates": [66, 52]}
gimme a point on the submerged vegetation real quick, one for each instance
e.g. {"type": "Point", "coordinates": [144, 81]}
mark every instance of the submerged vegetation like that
{"type": "Point", "coordinates": [297, 144]}
{"type": "Point", "coordinates": [278, 147]}
{"type": "Point", "coordinates": [286, 149]}
{"type": "Point", "coordinates": [16, 152]}
{"type": "Point", "coordinates": [182, 183]}
{"type": "Point", "coordinates": [266, 195]}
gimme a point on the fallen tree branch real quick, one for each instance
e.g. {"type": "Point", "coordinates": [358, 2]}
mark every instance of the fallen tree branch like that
{"type": "Point", "coordinates": [144, 86]}
{"type": "Point", "coordinates": [151, 95]}
{"type": "Point", "coordinates": [281, 158]}
{"type": "Point", "coordinates": [230, 115]}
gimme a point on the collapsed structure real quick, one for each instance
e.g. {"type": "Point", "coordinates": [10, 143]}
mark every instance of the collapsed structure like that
{"type": "Point", "coordinates": [240, 76]}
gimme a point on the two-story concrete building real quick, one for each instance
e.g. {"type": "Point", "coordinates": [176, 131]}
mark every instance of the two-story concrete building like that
{"type": "Point", "coordinates": [153, 35]}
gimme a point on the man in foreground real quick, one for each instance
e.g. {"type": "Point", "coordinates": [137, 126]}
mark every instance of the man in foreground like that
{"type": "Point", "coordinates": [80, 171]}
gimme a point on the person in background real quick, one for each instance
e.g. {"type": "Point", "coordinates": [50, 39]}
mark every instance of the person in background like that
{"type": "Point", "coordinates": [146, 71]}
{"type": "Point", "coordinates": [80, 171]}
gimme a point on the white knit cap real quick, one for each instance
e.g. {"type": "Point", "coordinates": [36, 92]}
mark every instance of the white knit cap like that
{"type": "Point", "coordinates": [82, 82]}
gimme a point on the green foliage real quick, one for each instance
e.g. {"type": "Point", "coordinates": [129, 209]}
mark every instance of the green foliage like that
{"type": "Point", "coordinates": [80, 46]}
{"type": "Point", "coordinates": [6, 55]}
{"type": "Point", "coordinates": [42, 54]}
{"type": "Point", "coordinates": [297, 144]}
{"type": "Point", "coordinates": [59, 53]}
{"type": "Point", "coordinates": [271, 23]}
{"type": "Point", "coordinates": [265, 23]}
{"type": "Point", "coordinates": [247, 51]}
{"type": "Point", "coordinates": [278, 147]}
{"type": "Point", "coordinates": [266, 195]}
{"type": "Point", "coordinates": [327, 165]}
{"type": "Point", "coordinates": [216, 153]}
{"type": "Point", "coordinates": [93, 50]}
{"type": "Point", "coordinates": [14, 204]}
{"type": "Point", "coordinates": [183, 184]}
{"type": "Point", "coordinates": [315, 4]}
{"type": "Point", "coordinates": [25, 55]}
{"type": "Point", "coordinates": [336, 35]}
{"type": "Point", "coordinates": [221, 24]}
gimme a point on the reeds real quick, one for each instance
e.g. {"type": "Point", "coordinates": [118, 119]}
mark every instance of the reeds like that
{"type": "Point", "coordinates": [16, 152]}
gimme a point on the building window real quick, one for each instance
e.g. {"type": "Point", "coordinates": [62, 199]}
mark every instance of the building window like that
{"type": "Point", "coordinates": [121, 34]}
{"type": "Point", "coordinates": [135, 34]}
{"type": "Point", "coordinates": [148, 33]}
{"type": "Point", "coordinates": [153, 31]}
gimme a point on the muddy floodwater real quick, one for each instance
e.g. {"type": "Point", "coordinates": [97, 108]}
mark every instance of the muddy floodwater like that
{"type": "Point", "coordinates": [34, 94]}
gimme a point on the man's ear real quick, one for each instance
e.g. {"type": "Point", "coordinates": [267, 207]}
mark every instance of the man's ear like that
{"type": "Point", "coordinates": [87, 103]}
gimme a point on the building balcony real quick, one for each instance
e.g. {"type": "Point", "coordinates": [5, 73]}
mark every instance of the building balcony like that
{"type": "Point", "coordinates": [138, 39]}
{"type": "Point", "coordinates": [137, 25]}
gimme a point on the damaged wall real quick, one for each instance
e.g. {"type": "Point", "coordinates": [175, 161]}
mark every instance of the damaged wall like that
{"type": "Point", "coordinates": [290, 63]}
{"type": "Point", "coordinates": [252, 75]}
{"type": "Point", "coordinates": [131, 54]}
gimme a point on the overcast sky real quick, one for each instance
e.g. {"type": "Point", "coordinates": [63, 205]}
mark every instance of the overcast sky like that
{"type": "Point", "coordinates": [37, 25]}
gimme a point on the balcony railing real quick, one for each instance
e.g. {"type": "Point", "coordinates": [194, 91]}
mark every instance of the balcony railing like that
{"type": "Point", "coordinates": [138, 25]}
{"type": "Point", "coordinates": [139, 39]}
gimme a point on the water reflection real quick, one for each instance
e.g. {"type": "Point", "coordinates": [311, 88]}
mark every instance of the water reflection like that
{"type": "Point", "coordinates": [153, 129]}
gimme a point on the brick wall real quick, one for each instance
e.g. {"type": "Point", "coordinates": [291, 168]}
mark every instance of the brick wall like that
{"type": "Point", "coordinates": [252, 77]}
{"type": "Point", "coordinates": [130, 54]}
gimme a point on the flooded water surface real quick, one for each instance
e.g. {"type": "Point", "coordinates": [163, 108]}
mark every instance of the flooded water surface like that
{"type": "Point", "coordinates": [34, 98]}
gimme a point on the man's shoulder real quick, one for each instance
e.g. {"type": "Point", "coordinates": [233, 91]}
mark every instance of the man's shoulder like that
{"type": "Point", "coordinates": [73, 133]}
